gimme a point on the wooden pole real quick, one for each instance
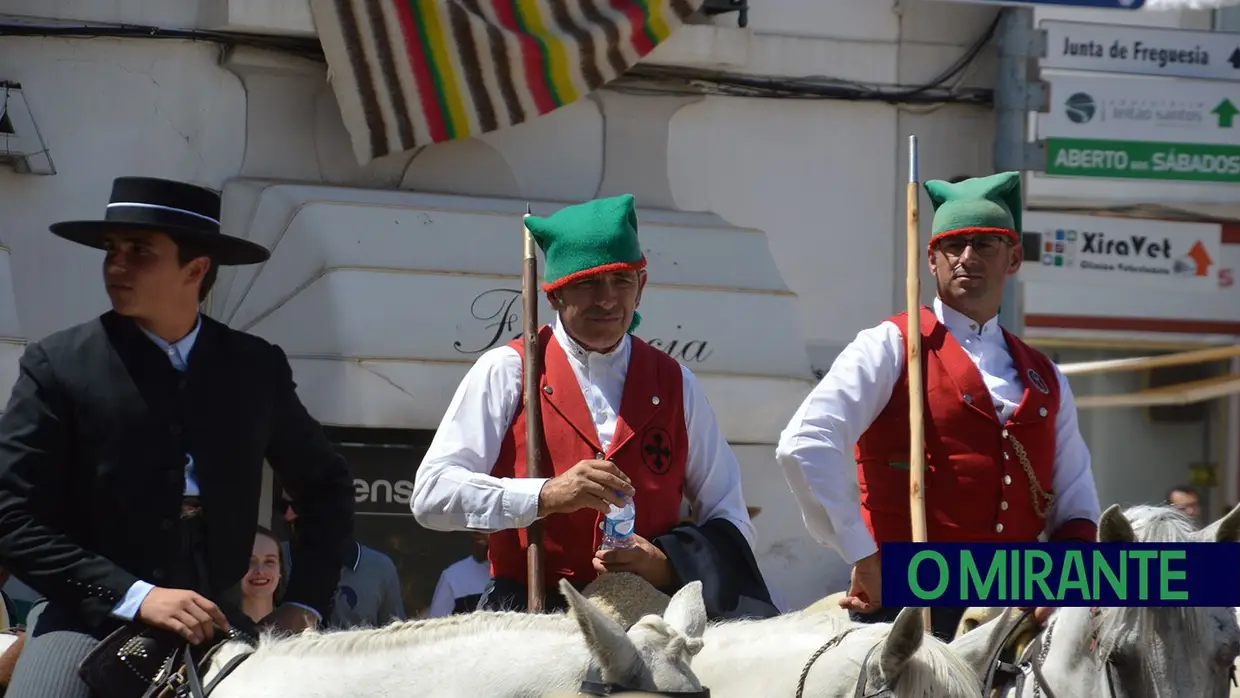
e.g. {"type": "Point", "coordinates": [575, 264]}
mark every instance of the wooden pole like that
{"type": "Point", "coordinates": [916, 383]}
{"type": "Point", "coordinates": [531, 371]}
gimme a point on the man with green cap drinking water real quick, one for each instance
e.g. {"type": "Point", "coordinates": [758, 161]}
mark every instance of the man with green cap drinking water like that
{"type": "Point", "coordinates": [1005, 461]}
{"type": "Point", "coordinates": [620, 419]}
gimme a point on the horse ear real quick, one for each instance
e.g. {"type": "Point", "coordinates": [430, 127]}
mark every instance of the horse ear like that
{"type": "Point", "coordinates": [1114, 527]}
{"type": "Point", "coordinates": [686, 611]}
{"type": "Point", "coordinates": [1226, 529]}
{"type": "Point", "coordinates": [905, 638]}
{"type": "Point", "coordinates": [609, 644]}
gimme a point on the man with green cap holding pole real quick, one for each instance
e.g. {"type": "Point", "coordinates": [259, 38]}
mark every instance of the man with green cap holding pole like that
{"type": "Point", "coordinates": [1005, 461]}
{"type": "Point", "coordinates": [620, 419]}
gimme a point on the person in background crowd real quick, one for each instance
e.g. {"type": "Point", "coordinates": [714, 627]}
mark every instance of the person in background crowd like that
{"type": "Point", "coordinates": [132, 448]}
{"type": "Point", "coordinates": [261, 586]}
{"type": "Point", "coordinates": [1186, 499]}
{"type": "Point", "coordinates": [368, 594]}
{"type": "Point", "coordinates": [620, 419]}
{"type": "Point", "coordinates": [463, 582]}
{"type": "Point", "coordinates": [1005, 460]}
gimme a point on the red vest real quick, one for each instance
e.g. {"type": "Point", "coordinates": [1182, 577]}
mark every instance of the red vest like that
{"type": "Point", "coordinates": [975, 487]}
{"type": "Point", "coordinates": [651, 446]}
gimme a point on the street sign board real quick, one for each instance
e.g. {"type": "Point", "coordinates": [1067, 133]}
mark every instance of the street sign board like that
{"type": "Point", "coordinates": [1141, 50]}
{"type": "Point", "coordinates": [1189, 162]}
{"type": "Point", "coordinates": [1087, 250]}
{"type": "Point", "coordinates": [1122, 108]}
{"type": "Point", "coordinates": [1096, 4]}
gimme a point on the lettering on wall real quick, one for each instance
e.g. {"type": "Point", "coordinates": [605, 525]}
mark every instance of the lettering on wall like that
{"type": "Point", "coordinates": [497, 313]}
{"type": "Point", "coordinates": [382, 495]}
{"type": "Point", "coordinates": [692, 351]}
{"type": "Point", "coordinates": [1226, 278]}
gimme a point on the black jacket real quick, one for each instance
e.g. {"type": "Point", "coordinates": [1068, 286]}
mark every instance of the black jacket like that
{"type": "Point", "coordinates": [92, 456]}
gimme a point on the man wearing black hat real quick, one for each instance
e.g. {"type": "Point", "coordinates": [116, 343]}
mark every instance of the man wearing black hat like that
{"type": "Point", "coordinates": [132, 447]}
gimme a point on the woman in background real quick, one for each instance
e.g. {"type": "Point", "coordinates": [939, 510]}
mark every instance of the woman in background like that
{"type": "Point", "coordinates": [261, 586]}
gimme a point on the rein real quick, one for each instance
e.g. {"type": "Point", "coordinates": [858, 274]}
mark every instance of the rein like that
{"type": "Point", "coordinates": [862, 679]}
{"type": "Point", "coordinates": [185, 682]}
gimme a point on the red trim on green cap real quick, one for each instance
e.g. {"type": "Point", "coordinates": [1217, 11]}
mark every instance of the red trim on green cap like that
{"type": "Point", "coordinates": [975, 231]}
{"type": "Point", "coordinates": [594, 271]}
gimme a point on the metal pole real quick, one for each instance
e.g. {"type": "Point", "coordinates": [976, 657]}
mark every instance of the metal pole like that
{"type": "Point", "coordinates": [1016, 94]}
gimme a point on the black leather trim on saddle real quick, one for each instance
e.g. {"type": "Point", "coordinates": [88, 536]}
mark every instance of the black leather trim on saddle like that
{"type": "Point", "coordinates": [138, 661]}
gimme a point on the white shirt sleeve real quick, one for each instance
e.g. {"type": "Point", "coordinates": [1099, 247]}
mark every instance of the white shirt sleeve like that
{"type": "Point", "coordinates": [453, 489]}
{"type": "Point", "coordinates": [712, 474]}
{"type": "Point", "coordinates": [815, 450]}
{"type": "Point", "coordinates": [443, 600]}
{"type": "Point", "coordinates": [1076, 496]}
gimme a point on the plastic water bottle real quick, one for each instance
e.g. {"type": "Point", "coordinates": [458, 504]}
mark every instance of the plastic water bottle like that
{"type": "Point", "coordinates": [618, 525]}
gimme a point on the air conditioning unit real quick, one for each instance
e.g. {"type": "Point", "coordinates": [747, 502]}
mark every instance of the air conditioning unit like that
{"type": "Point", "coordinates": [711, 8]}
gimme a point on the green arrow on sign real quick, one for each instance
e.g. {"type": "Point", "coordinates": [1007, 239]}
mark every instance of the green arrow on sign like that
{"type": "Point", "coordinates": [1226, 112]}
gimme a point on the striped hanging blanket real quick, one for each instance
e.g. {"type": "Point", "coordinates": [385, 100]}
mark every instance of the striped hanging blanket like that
{"type": "Point", "coordinates": [409, 73]}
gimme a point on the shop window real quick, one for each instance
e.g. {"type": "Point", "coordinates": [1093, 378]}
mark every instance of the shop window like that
{"type": "Point", "coordinates": [383, 463]}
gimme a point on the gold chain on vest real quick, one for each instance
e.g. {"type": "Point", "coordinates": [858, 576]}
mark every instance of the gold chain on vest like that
{"type": "Point", "coordinates": [1035, 490]}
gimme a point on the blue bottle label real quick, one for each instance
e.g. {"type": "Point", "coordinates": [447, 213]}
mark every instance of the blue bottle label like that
{"type": "Point", "coordinates": [618, 529]}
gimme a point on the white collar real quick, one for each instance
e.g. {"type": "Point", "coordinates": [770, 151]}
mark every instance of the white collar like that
{"type": "Point", "coordinates": [959, 323]}
{"type": "Point", "coordinates": [620, 353]}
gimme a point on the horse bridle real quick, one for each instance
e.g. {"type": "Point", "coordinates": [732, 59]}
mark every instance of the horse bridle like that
{"type": "Point", "coordinates": [594, 685]}
{"type": "Point", "coordinates": [1034, 657]}
{"type": "Point", "coordinates": [189, 684]}
{"type": "Point", "coordinates": [862, 680]}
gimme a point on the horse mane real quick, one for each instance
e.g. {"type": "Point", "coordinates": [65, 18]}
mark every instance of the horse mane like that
{"type": "Point", "coordinates": [934, 670]}
{"type": "Point", "coordinates": [1153, 625]}
{"type": "Point", "coordinates": [404, 634]}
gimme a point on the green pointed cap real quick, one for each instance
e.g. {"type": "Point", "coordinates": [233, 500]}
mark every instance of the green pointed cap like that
{"type": "Point", "coordinates": [977, 205]}
{"type": "Point", "coordinates": [595, 237]}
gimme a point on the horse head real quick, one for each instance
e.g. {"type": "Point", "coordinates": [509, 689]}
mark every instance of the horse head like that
{"type": "Point", "coordinates": [1158, 650]}
{"type": "Point", "coordinates": [911, 662]}
{"type": "Point", "coordinates": [1137, 651]}
{"type": "Point", "coordinates": [655, 653]}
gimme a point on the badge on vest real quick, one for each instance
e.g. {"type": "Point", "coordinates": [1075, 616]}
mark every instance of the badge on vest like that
{"type": "Point", "coordinates": [1037, 381]}
{"type": "Point", "coordinates": [657, 450]}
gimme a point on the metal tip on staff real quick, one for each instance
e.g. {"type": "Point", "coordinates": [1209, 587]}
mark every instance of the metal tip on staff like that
{"type": "Point", "coordinates": [528, 212]}
{"type": "Point", "coordinates": [912, 159]}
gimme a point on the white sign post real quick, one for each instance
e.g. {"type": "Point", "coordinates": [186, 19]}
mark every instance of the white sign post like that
{"type": "Point", "coordinates": [1142, 128]}
{"type": "Point", "coordinates": [1141, 50]}
{"type": "Point", "coordinates": [1101, 250]}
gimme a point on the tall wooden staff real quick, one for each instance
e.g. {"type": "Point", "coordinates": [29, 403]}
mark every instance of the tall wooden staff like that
{"type": "Point", "coordinates": [917, 439]}
{"type": "Point", "coordinates": [531, 371]}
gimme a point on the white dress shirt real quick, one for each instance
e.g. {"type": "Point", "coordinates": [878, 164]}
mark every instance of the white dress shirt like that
{"type": "Point", "coordinates": [815, 450]}
{"type": "Point", "coordinates": [454, 490]}
{"type": "Point", "coordinates": [465, 577]}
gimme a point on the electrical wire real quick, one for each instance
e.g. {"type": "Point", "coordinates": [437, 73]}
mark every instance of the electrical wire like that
{"type": "Point", "coordinates": [304, 47]}
{"type": "Point", "coordinates": [640, 79]}
{"type": "Point", "coordinates": [678, 80]}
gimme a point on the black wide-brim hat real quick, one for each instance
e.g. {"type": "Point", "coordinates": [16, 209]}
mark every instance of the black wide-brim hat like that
{"type": "Point", "coordinates": [184, 212]}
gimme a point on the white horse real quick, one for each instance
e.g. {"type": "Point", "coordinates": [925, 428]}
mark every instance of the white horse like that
{"type": "Point", "coordinates": [493, 654]}
{"type": "Point", "coordinates": [826, 656]}
{"type": "Point", "coordinates": [1139, 651]}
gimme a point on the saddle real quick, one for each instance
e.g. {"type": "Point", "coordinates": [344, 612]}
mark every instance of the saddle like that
{"type": "Point", "coordinates": [138, 661]}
